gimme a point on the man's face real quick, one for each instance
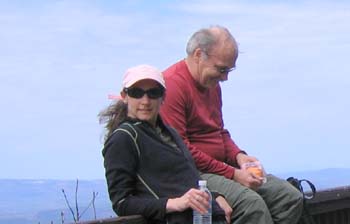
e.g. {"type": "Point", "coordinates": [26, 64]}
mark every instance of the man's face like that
{"type": "Point", "coordinates": [215, 66]}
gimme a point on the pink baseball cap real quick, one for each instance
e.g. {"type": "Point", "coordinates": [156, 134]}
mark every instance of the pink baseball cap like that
{"type": "Point", "coordinates": [140, 72]}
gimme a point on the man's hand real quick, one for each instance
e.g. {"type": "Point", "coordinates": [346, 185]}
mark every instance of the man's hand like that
{"type": "Point", "coordinates": [243, 158]}
{"type": "Point", "coordinates": [226, 207]}
{"type": "Point", "coordinates": [247, 179]}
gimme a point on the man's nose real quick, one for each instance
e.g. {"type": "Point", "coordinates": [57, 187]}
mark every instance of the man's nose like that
{"type": "Point", "coordinates": [224, 77]}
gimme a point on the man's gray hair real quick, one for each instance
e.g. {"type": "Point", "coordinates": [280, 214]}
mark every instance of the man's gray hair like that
{"type": "Point", "coordinates": [205, 39]}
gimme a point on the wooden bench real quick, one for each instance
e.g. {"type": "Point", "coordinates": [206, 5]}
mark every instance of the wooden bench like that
{"type": "Point", "coordinates": [330, 206]}
{"type": "Point", "coordinates": [132, 219]}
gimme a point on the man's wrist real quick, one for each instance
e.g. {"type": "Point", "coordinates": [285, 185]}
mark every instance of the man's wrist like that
{"type": "Point", "coordinates": [240, 154]}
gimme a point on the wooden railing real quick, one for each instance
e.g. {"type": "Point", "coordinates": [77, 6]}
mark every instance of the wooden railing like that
{"type": "Point", "coordinates": [330, 206]}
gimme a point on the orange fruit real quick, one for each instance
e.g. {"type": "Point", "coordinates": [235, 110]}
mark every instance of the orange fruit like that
{"type": "Point", "coordinates": [256, 170]}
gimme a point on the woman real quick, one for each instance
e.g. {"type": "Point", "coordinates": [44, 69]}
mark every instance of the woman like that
{"type": "Point", "coordinates": [149, 170]}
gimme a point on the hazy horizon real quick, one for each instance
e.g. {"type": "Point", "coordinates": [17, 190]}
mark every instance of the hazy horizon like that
{"type": "Point", "coordinates": [43, 200]}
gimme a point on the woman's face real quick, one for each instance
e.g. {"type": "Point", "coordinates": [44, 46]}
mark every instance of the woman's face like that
{"type": "Point", "coordinates": [141, 106]}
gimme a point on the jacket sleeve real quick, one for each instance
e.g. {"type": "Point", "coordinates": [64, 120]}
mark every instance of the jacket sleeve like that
{"type": "Point", "coordinates": [121, 164]}
{"type": "Point", "coordinates": [173, 112]}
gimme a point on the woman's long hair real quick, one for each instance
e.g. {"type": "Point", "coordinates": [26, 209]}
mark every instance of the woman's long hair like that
{"type": "Point", "coordinates": [112, 116]}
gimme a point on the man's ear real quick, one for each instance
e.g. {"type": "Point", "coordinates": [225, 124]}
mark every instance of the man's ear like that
{"type": "Point", "coordinates": [197, 54]}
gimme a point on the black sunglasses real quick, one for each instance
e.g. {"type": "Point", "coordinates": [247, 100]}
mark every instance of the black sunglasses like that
{"type": "Point", "coordinates": [138, 93]}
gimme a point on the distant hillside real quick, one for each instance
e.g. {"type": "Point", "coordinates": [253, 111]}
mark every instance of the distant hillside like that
{"type": "Point", "coordinates": [34, 201]}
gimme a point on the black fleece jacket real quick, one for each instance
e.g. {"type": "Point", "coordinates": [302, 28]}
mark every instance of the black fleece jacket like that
{"type": "Point", "coordinates": [143, 172]}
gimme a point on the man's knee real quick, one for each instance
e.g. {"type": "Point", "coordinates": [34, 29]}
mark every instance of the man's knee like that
{"type": "Point", "coordinates": [254, 203]}
{"type": "Point", "coordinates": [252, 209]}
{"type": "Point", "coordinates": [296, 199]}
{"type": "Point", "coordinates": [298, 205]}
{"type": "Point", "coordinates": [290, 208]}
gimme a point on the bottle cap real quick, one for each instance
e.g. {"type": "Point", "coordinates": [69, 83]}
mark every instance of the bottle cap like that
{"type": "Point", "coordinates": [202, 183]}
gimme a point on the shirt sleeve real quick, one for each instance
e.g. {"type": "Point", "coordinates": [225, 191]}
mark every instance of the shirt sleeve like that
{"type": "Point", "coordinates": [173, 112]}
{"type": "Point", "coordinates": [120, 161]}
{"type": "Point", "coordinates": [231, 149]}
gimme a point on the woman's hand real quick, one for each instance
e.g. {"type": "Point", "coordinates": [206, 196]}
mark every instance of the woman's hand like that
{"type": "Point", "coordinates": [226, 207]}
{"type": "Point", "coordinates": [194, 198]}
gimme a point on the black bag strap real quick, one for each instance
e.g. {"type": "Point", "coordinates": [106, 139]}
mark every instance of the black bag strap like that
{"type": "Point", "coordinates": [299, 185]}
{"type": "Point", "coordinates": [312, 187]}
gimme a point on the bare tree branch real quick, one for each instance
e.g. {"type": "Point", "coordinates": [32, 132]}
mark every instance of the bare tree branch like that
{"type": "Point", "coordinates": [77, 216]}
{"type": "Point", "coordinates": [94, 195]}
{"type": "Point", "coordinates": [76, 200]}
{"type": "Point", "coordinates": [70, 208]}
{"type": "Point", "coordinates": [92, 202]}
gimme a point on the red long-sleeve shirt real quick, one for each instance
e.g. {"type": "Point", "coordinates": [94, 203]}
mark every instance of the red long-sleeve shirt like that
{"type": "Point", "coordinates": [195, 112]}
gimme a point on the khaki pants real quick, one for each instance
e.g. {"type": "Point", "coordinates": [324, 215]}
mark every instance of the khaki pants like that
{"type": "Point", "coordinates": [275, 202]}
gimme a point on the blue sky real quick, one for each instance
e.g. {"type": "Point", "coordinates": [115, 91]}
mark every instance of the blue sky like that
{"type": "Point", "coordinates": [287, 102]}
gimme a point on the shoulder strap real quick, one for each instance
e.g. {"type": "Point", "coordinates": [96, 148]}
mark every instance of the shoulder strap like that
{"type": "Point", "coordinates": [131, 131]}
{"type": "Point", "coordinates": [128, 128]}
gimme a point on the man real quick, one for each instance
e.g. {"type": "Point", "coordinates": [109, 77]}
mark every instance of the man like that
{"type": "Point", "coordinates": [193, 106]}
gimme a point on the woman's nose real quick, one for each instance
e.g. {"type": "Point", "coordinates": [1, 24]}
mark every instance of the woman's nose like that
{"type": "Point", "coordinates": [145, 98]}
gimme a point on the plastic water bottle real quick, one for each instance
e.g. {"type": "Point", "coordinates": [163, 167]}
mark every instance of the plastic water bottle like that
{"type": "Point", "coordinates": [198, 218]}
